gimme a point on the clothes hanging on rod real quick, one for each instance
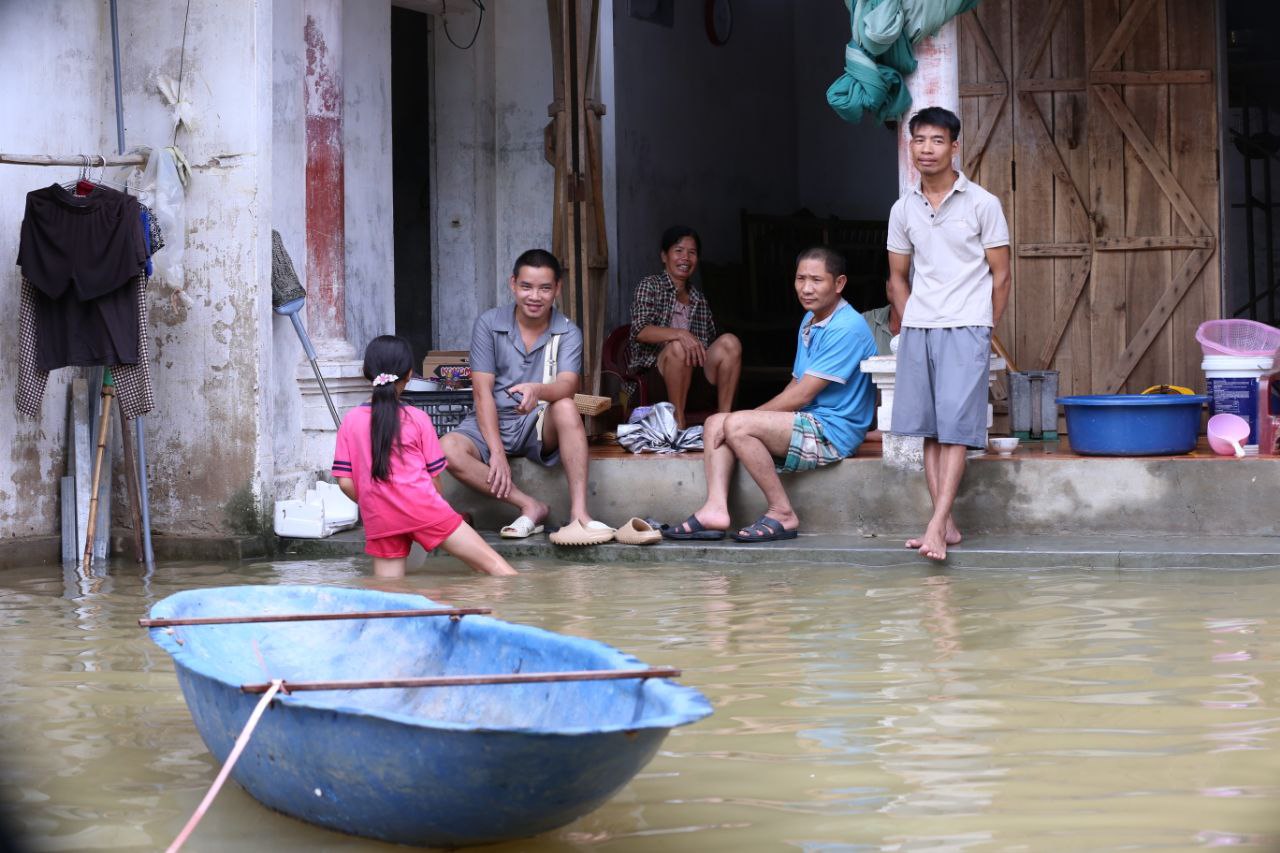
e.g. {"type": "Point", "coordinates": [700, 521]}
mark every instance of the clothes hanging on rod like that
{"type": "Point", "coordinates": [82, 255]}
{"type": "Point", "coordinates": [75, 309]}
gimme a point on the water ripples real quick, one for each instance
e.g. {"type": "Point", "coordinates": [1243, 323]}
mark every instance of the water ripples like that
{"type": "Point", "coordinates": [857, 709]}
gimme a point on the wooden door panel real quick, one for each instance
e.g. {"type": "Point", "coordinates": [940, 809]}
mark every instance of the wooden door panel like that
{"type": "Point", "coordinates": [1193, 149]}
{"type": "Point", "coordinates": [1112, 117]}
{"type": "Point", "coordinates": [1032, 217]}
{"type": "Point", "coordinates": [1146, 205]}
{"type": "Point", "coordinates": [1108, 299]}
{"type": "Point", "coordinates": [1068, 61]}
{"type": "Point", "coordinates": [986, 114]}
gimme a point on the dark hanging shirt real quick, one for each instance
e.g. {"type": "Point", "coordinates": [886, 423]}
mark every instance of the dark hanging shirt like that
{"type": "Point", "coordinates": [83, 256]}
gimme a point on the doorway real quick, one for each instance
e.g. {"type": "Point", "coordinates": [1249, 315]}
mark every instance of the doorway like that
{"type": "Point", "coordinates": [411, 176]}
{"type": "Point", "coordinates": [1251, 154]}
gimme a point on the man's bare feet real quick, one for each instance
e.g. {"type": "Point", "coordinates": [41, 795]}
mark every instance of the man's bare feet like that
{"type": "Point", "coordinates": [952, 537]}
{"type": "Point", "coordinates": [536, 512]}
{"type": "Point", "coordinates": [933, 546]}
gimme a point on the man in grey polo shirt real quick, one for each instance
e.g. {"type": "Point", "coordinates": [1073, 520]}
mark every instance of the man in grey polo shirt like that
{"type": "Point", "coordinates": [526, 364]}
{"type": "Point", "coordinates": [950, 236]}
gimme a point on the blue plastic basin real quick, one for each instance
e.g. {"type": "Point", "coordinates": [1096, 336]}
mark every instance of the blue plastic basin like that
{"type": "Point", "coordinates": [1133, 424]}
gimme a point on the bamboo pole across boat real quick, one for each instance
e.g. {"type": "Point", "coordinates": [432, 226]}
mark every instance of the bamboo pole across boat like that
{"type": "Point", "coordinates": [313, 617]}
{"type": "Point", "coordinates": [472, 680]}
{"type": "Point", "coordinates": [104, 428]}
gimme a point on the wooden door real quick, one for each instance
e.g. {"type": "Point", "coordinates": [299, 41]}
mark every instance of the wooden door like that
{"type": "Point", "coordinates": [1095, 121]}
{"type": "Point", "coordinates": [574, 146]}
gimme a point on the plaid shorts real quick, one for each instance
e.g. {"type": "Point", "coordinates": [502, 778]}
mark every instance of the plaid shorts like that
{"type": "Point", "coordinates": [809, 448]}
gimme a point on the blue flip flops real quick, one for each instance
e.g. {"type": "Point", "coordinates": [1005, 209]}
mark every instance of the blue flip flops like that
{"type": "Point", "coordinates": [765, 529]}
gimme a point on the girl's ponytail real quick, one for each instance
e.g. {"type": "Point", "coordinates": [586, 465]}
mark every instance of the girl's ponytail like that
{"type": "Point", "coordinates": [387, 359]}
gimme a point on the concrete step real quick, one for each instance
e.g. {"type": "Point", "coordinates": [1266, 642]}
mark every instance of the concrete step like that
{"type": "Point", "coordinates": [977, 552]}
{"type": "Point", "coordinates": [1031, 494]}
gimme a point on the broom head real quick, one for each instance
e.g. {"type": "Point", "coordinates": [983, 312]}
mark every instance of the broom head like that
{"type": "Point", "coordinates": [286, 288]}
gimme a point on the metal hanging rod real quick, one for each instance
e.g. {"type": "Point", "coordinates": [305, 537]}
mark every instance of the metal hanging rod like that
{"type": "Point", "coordinates": [73, 160]}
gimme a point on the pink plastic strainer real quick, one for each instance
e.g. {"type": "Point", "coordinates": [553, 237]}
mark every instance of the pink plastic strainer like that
{"type": "Point", "coordinates": [1237, 337]}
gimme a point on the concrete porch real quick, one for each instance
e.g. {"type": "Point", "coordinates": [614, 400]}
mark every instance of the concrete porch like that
{"type": "Point", "coordinates": [1042, 490]}
{"type": "Point", "coordinates": [1042, 508]}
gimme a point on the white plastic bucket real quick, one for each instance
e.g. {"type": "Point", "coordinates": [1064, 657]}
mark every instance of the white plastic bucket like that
{"type": "Point", "coordinates": [1233, 387]}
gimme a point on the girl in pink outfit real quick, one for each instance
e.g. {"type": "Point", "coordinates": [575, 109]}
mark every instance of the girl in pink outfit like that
{"type": "Point", "coordinates": [388, 460]}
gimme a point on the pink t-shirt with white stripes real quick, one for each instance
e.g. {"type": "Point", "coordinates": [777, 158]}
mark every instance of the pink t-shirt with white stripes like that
{"type": "Point", "coordinates": [407, 500]}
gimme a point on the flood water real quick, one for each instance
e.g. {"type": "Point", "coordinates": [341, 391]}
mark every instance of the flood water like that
{"type": "Point", "coordinates": [856, 709]}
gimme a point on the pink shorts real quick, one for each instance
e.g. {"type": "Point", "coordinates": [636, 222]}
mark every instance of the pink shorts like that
{"type": "Point", "coordinates": [396, 546]}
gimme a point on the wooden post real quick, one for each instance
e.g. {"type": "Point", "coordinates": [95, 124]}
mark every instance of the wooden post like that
{"type": "Point", "coordinates": [104, 426]}
{"type": "Point", "coordinates": [82, 462]}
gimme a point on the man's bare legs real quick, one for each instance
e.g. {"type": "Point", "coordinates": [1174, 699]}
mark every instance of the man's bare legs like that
{"type": "Point", "coordinates": [943, 469]}
{"type": "Point", "coordinates": [754, 438]}
{"type": "Point", "coordinates": [467, 468]}
{"type": "Point", "coordinates": [722, 367]}
{"type": "Point", "coordinates": [717, 468]}
{"type": "Point", "coordinates": [562, 428]}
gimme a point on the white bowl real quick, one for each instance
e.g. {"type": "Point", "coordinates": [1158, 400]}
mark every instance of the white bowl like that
{"type": "Point", "coordinates": [1004, 445]}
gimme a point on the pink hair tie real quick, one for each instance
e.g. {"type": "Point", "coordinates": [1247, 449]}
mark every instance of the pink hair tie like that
{"type": "Point", "coordinates": [384, 379]}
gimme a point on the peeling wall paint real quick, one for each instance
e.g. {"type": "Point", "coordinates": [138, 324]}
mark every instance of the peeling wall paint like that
{"type": "Point", "coordinates": [65, 36]}
{"type": "Point", "coordinates": [207, 436]}
{"type": "Point", "coordinates": [323, 105]}
{"type": "Point", "coordinates": [225, 431]}
{"type": "Point", "coordinates": [491, 185]}
{"type": "Point", "coordinates": [370, 255]}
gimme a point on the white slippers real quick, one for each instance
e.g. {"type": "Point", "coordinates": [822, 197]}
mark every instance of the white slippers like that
{"type": "Point", "coordinates": [522, 528]}
{"type": "Point", "coordinates": [575, 533]}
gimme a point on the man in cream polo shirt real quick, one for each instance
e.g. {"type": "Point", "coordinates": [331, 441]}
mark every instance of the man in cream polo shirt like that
{"type": "Point", "coordinates": [950, 236]}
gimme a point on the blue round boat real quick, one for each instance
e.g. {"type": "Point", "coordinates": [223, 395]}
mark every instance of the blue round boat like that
{"type": "Point", "coordinates": [448, 766]}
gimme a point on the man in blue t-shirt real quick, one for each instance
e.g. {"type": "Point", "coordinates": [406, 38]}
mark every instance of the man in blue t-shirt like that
{"type": "Point", "coordinates": [819, 418]}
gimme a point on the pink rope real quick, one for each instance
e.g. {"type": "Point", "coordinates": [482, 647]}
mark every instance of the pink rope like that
{"type": "Point", "coordinates": [241, 743]}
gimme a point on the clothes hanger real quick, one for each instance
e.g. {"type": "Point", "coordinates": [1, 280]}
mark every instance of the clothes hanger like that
{"type": "Point", "coordinates": [86, 183]}
{"type": "Point", "coordinates": [73, 185]}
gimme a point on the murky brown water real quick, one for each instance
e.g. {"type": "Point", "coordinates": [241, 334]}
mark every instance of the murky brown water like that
{"type": "Point", "coordinates": [856, 709]}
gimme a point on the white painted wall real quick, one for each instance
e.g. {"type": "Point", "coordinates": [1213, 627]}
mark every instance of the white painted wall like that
{"type": "Point", "coordinates": [288, 216]}
{"type": "Point", "coordinates": [366, 133]}
{"type": "Point", "coordinates": [209, 436]}
{"type": "Point", "coordinates": [491, 185]}
{"type": "Point", "coordinates": [524, 180]}
{"type": "Point", "coordinates": [462, 181]}
{"type": "Point", "coordinates": [51, 54]}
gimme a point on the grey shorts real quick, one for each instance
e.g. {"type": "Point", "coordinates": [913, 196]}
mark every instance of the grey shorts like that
{"type": "Point", "coordinates": [519, 437]}
{"type": "Point", "coordinates": [941, 386]}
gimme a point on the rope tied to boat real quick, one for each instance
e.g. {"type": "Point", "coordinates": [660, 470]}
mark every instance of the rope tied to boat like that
{"type": "Point", "coordinates": [241, 742]}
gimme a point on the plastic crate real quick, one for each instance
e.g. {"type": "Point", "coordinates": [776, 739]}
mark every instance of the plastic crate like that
{"type": "Point", "coordinates": [446, 408]}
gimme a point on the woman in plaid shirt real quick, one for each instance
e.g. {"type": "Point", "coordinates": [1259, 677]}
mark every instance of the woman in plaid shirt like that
{"type": "Point", "coordinates": [672, 333]}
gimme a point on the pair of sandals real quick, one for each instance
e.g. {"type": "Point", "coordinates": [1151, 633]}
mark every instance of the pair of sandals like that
{"type": "Point", "coordinates": [637, 531]}
{"type": "Point", "coordinates": [763, 529]}
{"type": "Point", "coordinates": [574, 533]}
